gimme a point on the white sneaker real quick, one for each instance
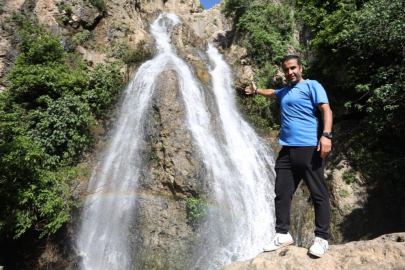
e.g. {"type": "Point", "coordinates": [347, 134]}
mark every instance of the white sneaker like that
{"type": "Point", "coordinates": [279, 240]}
{"type": "Point", "coordinates": [319, 247]}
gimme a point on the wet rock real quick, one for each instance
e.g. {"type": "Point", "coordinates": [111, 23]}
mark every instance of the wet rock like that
{"type": "Point", "coordinates": [385, 252]}
{"type": "Point", "coordinates": [184, 38]}
{"type": "Point", "coordinates": [190, 47]}
{"type": "Point", "coordinates": [176, 159]}
{"type": "Point", "coordinates": [204, 76]}
{"type": "Point", "coordinates": [163, 237]}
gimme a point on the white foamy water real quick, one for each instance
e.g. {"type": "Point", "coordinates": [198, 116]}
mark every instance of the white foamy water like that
{"type": "Point", "coordinates": [238, 164]}
{"type": "Point", "coordinates": [103, 239]}
{"type": "Point", "coordinates": [243, 176]}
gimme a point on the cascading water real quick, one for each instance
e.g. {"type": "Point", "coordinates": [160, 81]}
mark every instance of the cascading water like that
{"type": "Point", "coordinates": [237, 160]}
{"type": "Point", "coordinates": [103, 240]}
{"type": "Point", "coordinates": [241, 167]}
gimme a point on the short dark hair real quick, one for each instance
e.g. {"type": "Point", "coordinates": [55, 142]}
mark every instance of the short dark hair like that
{"type": "Point", "coordinates": [288, 57]}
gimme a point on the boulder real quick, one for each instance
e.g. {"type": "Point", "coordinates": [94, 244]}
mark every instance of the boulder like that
{"type": "Point", "coordinates": [384, 252]}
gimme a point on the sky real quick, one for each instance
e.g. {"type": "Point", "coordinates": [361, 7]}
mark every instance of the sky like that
{"type": "Point", "coordinates": [209, 3]}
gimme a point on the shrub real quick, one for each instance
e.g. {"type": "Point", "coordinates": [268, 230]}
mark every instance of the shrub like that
{"type": "Point", "coordinates": [105, 83]}
{"type": "Point", "coordinates": [68, 9]}
{"type": "Point", "coordinates": [267, 31]}
{"type": "Point", "coordinates": [127, 55]}
{"type": "Point", "coordinates": [38, 47]}
{"type": "Point", "coordinates": [196, 209]}
{"type": "Point", "coordinates": [81, 37]}
{"type": "Point", "coordinates": [360, 48]}
{"type": "Point", "coordinates": [45, 122]}
{"type": "Point", "coordinates": [100, 5]}
{"type": "Point", "coordinates": [349, 177]}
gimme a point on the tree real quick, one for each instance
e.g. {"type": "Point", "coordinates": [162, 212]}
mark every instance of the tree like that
{"type": "Point", "coordinates": [360, 48]}
{"type": "Point", "coordinates": [46, 118]}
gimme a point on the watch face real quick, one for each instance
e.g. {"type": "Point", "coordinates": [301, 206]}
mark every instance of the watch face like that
{"type": "Point", "coordinates": [327, 135]}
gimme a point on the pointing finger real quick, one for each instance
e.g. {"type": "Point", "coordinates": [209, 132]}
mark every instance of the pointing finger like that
{"type": "Point", "coordinates": [254, 84]}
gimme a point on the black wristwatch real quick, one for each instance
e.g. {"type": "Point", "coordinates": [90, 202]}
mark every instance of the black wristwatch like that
{"type": "Point", "coordinates": [328, 135]}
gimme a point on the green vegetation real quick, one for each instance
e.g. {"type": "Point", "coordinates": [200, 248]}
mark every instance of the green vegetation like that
{"type": "Point", "coordinates": [266, 30]}
{"type": "Point", "coordinates": [104, 86]}
{"type": "Point", "coordinates": [99, 4]}
{"type": "Point", "coordinates": [235, 9]}
{"type": "Point", "coordinates": [360, 59]}
{"type": "Point", "coordinates": [196, 209]}
{"type": "Point", "coordinates": [344, 193]}
{"type": "Point", "coordinates": [68, 9]}
{"type": "Point", "coordinates": [269, 30]}
{"type": "Point", "coordinates": [46, 119]}
{"type": "Point", "coordinates": [129, 56]}
{"type": "Point", "coordinates": [348, 208]}
{"type": "Point", "coordinates": [263, 112]}
{"type": "Point", "coordinates": [16, 18]}
{"type": "Point", "coordinates": [349, 177]}
{"type": "Point", "coordinates": [81, 37]}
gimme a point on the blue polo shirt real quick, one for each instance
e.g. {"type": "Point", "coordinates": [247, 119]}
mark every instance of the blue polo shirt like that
{"type": "Point", "coordinates": [299, 124]}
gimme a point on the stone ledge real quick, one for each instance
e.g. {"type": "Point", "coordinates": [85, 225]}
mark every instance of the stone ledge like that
{"type": "Point", "coordinates": [384, 252]}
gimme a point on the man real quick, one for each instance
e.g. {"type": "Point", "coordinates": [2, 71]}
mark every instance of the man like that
{"type": "Point", "coordinates": [303, 153]}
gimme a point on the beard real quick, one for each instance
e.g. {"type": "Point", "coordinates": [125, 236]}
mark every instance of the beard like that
{"type": "Point", "coordinates": [295, 80]}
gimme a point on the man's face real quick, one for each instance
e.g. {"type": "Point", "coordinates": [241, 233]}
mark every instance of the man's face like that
{"type": "Point", "coordinates": [292, 71]}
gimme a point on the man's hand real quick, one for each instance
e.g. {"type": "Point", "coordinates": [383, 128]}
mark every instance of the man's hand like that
{"type": "Point", "coordinates": [268, 93]}
{"type": "Point", "coordinates": [324, 146]}
{"type": "Point", "coordinates": [250, 90]}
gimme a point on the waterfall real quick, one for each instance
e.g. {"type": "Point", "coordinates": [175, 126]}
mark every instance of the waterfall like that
{"type": "Point", "coordinates": [242, 170]}
{"type": "Point", "coordinates": [103, 240]}
{"type": "Point", "coordinates": [238, 162]}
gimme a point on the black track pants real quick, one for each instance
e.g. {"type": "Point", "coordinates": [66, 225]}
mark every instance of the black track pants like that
{"type": "Point", "coordinates": [292, 165]}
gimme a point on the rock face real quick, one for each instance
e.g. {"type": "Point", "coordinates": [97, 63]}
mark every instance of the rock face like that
{"type": "Point", "coordinates": [385, 252]}
{"type": "Point", "coordinates": [169, 6]}
{"type": "Point", "coordinates": [208, 22]}
{"type": "Point", "coordinates": [175, 173]}
{"type": "Point", "coordinates": [8, 50]}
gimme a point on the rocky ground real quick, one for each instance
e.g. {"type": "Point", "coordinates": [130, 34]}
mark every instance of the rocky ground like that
{"type": "Point", "coordinates": [385, 252]}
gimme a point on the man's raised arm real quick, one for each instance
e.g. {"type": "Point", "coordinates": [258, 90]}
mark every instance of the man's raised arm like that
{"type": "Point", "coordinates": [252, 90]}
